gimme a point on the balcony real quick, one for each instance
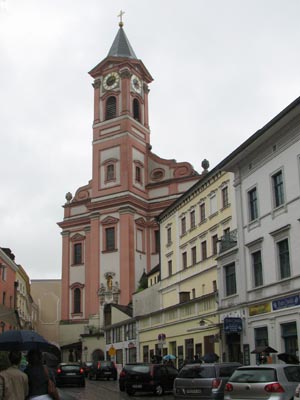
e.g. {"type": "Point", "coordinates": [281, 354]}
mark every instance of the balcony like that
{"type": "Point", "coordinates": [228, 241]}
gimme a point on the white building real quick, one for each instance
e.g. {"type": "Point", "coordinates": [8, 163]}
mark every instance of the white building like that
{"type": "Point", "coordinates": [260, 275]}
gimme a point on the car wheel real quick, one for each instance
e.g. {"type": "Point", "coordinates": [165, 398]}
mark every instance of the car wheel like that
{"type": "Point", "coordinates": [83, 384]}
{"type": "Point", "coordinates": [90, 377]}
{"type": "Point", "coordinates": [158, 390]}
{"type": "Point", "coordinates": [130, 392]}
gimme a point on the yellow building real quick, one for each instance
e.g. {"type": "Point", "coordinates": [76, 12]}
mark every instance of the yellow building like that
{"type": "Point", "coordinates": [182, 319]}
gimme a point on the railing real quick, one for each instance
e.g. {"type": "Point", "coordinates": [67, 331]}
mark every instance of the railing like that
{"type": "Point", "coordinates": [228, 241]}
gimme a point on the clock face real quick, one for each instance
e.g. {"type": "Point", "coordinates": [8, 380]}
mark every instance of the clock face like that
{"type": "Point", "coordinates": [111, 81]}
{"type": "Point", "coordinates": [136, 84]}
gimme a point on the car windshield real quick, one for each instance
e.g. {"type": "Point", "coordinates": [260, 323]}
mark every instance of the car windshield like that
{"type": "Point", "coordinates": [254, 375]}
{"type": "Point", "coordinates": [197, 372]}
{"type": "Point", "coordinates": [67, 368]}
{"type": "Point", "coordinates": [141, 369]}
{"type": "Point", "coordinates": [106, 363]}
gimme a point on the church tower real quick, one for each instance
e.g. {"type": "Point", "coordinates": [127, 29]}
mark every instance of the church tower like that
{"type": "Point", "coordinates": [110, 234]}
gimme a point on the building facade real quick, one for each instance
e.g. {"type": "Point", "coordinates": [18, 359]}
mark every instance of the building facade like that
{"type": "Point", "coordinates": [260, 274]}
{"type": "Point", "coordinates": [110, 235]}
{"type": "Point", "coordinates": [182, 317]}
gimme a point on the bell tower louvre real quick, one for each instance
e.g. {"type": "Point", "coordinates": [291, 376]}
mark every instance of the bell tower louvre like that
{"type": "Point", "coordinates": [110, 236]}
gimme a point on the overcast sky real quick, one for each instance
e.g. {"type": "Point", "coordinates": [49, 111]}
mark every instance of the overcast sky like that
{"type": "Point", "coordinates": [221, 69]}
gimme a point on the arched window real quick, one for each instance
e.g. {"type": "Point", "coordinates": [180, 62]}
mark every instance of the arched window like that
{"type": "Point", "coordinates": [77, 301]}
{"type": "Point", "coordinates": [111, 108]}
{"type": "Point", "coordinates": [136, 109]}
{"type": "Point", "coordinates": [110, 172]}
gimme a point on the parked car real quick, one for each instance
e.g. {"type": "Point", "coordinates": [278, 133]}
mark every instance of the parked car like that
{"type": "Point", "coordinates": [103, 369]}
{"type": "Point", "coordinates": [264, 382]}
{"type": "Point", "coordinates": [70, 374]}
{"type": "Point", "coordinates": [144, 377]}
{"type": "Point", "coordinates": [203, 381]}
{"type": "Point", "coordinates": [87, 366]}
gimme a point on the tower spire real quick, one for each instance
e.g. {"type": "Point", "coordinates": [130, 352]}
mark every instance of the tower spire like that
{"type": "Point", "coordinates": [120, 15]}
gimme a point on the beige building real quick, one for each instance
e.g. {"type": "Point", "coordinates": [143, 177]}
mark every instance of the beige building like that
{"type": "Point", "coordinates": [46, 294]}
{"type": "Point", "coordinates": [179, 314]}
{"type": "Point", "coordinates": [26, 307]}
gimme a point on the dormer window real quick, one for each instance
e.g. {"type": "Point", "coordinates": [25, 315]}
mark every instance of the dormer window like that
{"type": "Point", "coordinates": [136, 110]}
{"type": "Point", "coordinates": [111, 108]}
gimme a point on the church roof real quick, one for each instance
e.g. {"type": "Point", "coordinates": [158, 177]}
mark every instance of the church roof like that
{"type": "Point", "coordinates": [121, 46]}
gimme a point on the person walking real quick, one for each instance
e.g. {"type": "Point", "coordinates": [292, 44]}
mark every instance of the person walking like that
{"type": "Point", "coordinates": [38, 376]}
{"type": "Point", "coordinates": [13, 382]}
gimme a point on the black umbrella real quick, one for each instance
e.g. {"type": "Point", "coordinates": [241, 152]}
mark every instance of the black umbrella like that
{"type": "Point", "coordinates": [26, 340]}
{"type": "Point", "coordinates": [263, 349]}
{"type": "Point", "coordinates": [288, 358]}
{"type": "Point", "coordinates": [210, 357]}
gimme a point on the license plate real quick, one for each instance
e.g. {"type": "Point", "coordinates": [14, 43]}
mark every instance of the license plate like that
{"type": "Point", "coordinates": [71, 373]}
{"type": "Point", "coordinates": [107, 373]}
{"type": "Point", "coordinates": [136, 386]}
{"type": "Point", "coordinates": [194, 390]}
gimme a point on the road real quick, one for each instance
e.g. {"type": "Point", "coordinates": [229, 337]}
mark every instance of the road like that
{"type": "Point", "coordinates": [104, 390]}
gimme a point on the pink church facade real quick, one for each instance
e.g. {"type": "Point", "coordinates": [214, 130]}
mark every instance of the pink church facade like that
{"type": "Point", "coordinates": [110, 236]}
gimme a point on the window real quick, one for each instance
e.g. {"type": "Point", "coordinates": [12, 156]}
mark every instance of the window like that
{"type": "Point", "coordinates": [257, 268]}
{"type": "Point", "coordinates": [214, 242]}
{"type": "Point", "coordinates": [213, 204]}
{"type": "Point", "coordinates": [111, 108]}
{"type": "Point", "coordinates": [110, 172]}
{"type": "Point", "coordinates": [4, 272]}
{"type": "Point", "coordinates": [77, 301]}
{"type": "Point", "coordinates": [203, 250]}
{"type": "Point", "coordinates": [170, 268]}
{"type": "Point", "coordinates": [183, 225]}
{"type": "Point", "coordinates": [261, 336]}
{"type": "Point", "coordinates": [184, 260]}
{"type": "Point", "coordinates": [202, 212]}
{"type": "Point", "coordinates": [156, 241]}
{"type": "Point", "coordinates": [3, 298]}
{"type": "Point", "coordinates": [136, 110]}
{"type": "Point", "coordinates": [169, 236]}
{"type": "Point", "coordinates": [277, 180]}
{"type": "Point", "coordinates": [252, 198]}
{"type": "Point", "coordinates": [193, 221]}
{"type": "Point", "coordinates": [77, 253]}
{"type": "Point", "coordinates": [138, 174]}
{"type": "Point", "coordinates": [110, 239]}
{"type": "Point", "coordinates": [194, 255]}
{"type": "Point", "coordinates": [284, 258]}
{"type": "Point", "coordinates": [230, 279]}
{"type": "Point", "coordinates": [215, 288]}
{"type": "Point", "coordinates": [225, 201]}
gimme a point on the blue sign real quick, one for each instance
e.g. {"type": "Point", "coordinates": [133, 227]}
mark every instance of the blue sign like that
{"type": "Point", "coordinates": [233, 325]}
{"type": "Point", "coordinates": [285, 302]}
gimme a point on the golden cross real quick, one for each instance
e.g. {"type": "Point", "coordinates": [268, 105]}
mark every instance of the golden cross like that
{"type": "Point", "coordinates": [120, 16]}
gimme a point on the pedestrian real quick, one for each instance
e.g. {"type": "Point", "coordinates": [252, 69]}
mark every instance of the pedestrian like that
{"type": "Point", "coordinates": [38, 376]}
{"type": "Point", "coordinates": [13, 382]}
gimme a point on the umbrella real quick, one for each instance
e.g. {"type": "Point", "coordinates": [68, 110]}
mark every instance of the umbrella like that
{"type": "Point", "coordinates": [169, 357]}
{"type": "Point", "coordinates": [210, 357]}
{"type": "Point", "coordinates": [26, 340]}
{"type": "Point", "coordinates": [288, 358]}
{"type": "Point", "coordinates": [263, 349]}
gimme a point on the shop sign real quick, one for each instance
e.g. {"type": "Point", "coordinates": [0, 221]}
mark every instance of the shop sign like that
{"type": "Point", "coordinates": [233, 325]}
{"type": "Point", "coordinates": [285, 302]}
{"type": "Point", "coordinates": [260, 309]}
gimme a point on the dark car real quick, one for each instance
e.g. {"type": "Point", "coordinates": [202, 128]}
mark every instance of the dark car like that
{"type": "Point", "coordinates": [203, 381]}
{"type": "Point", "coordinates": [87, 366]}
{"type": "Point", "coordinates": [70, 374]}
{"type": "Point", "coordinates": [143, 377]}
{"type": "Point", "coordinates": [103, 369]}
